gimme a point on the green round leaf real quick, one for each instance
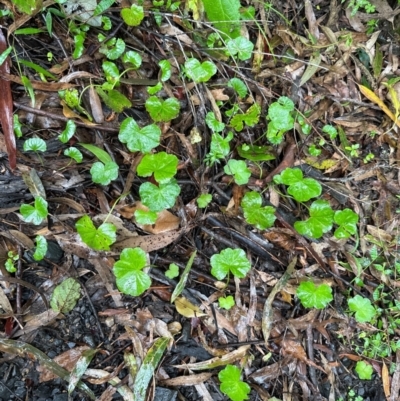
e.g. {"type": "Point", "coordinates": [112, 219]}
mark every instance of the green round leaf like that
{"type": "Point", "coordinates": [35, 144]}
{"type": "Point", "coordinates": [239, 86]}
{"type": "Point", "coordinates": [132, 16]}
{"type": "Point", "coordinates": [230, 260]}
{"type": "Point", "coordinates": [104, 173]}
{"type": "Point", "coordinates": [100, 238]}
{"type": "Point", "coordinates": [68, 132]}
{"type": "Point", "coordinates": [231, 385]}
{"type": "Point", "coordinates": [239, 170]}
{"type": "Point", "coordinates": [320, 221]}
{"type": "Point", "coordinates": [199, 72]}
{"type": "Point", "coordinates": [161, 197]}
{"type": "Point", "coordinates": [162, 110]}
{"type": "Point", "coordinates": [364, 370]}
{"type": "Point", "coordinates": [35, 214]}
{"type": "Point", "coordinates": [305, 189]}
{"type": "Point", "coordinates": [139, 140]}
{"type": "Point", "coordinates": [74, 153]}
{"type": "Point", "coordinates": [173, 271]}
{"type": "Point", "coordinates": [256, 153]}
{"type": "Point", "coordinates": [203, 200]}
{"type": "Point", "coordinates": [241, 47]}
{"type": "Point", "coordinates": [364, 310]}
{"type": "Point", "coordinates": [347, 220]}
{"type": "Point", "coordinates": [133, 58]}
{"type": "Point", "coordinates": [130, 278]}
{"type": "Point", "coordinates": [261, 217]}
{"type": "Point", "coordinates": [213, 123]}
{"type": "Point", "coordinates": [165, 66]}
{"type": "Point", "coordinates": [145, 217]}
{"type": "Point", "coordinates": [162, 165]}
{"type": "Point", "coordinates": [312, 296]}
{"type": "Point", "coordinates": [226, 302]}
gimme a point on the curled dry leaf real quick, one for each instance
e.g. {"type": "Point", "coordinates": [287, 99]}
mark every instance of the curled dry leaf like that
{"type": "Point", "coordinates": [6, 107]}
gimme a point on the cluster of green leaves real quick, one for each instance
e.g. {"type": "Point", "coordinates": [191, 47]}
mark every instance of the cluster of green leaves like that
{"type": "Point", "coordinates": [280, 116]}
{"type": "Point", "coordinates": [322, 216]}
{"type": "Point", "coordinates": [260, 216]}
{"type": "Point", "coordinates": [12, 258]}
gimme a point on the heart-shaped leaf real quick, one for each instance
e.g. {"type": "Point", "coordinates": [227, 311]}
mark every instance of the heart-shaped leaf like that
{"type": "Point", "coordinates": [104, 173]}
{"type": "Point", "coordinates": [199, 72]}
{"type": "Point", "coordinates": [162, 110]}
{"type": "Point", "coordinates": [139, 139]}
{"type": "Point", "coordinates": [132, 16]}
{"type": "Point", "coordinates": [100, 238]}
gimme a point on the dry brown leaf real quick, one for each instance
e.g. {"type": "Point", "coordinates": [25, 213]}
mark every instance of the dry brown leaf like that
{"type": "Point", "coordinates": [36, 321]}
{"type": "Point", "coordinates": [69, 202]}
{"type": "Point", "coordinates": [96, 106]}
{"type": "Point", "coordinates": [190, 380]}
{"type": "Point", "coordinates": [71, 114]}
{"type": "Point", "coordinates": [385, 380]}
{"type": "Point", "coordinates": [269, 373]}
{"type": "Point", "coordinates": [67, 360]}
{"type": "Point", "coordinates": [39, 85]}
{"type": "Point", "coordinates": [148, 243]}
{"type": "Point", "coordinates": [185, 308]}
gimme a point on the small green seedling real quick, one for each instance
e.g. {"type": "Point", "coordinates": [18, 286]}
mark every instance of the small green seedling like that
{"type": "Point", "coordinates": [254, 213]}
{"type": "Point", "coordinates": [17, 123]}
{"type": "Point", "coordinates": [302, 189]}
{"type": "Point", "coordinates": [364, 310]}
{"type": "Point", "coordinates": [113, 99]}
{"type": "Point", "coordinates": [68, 132]}
{"type": "Point", "coordinates": [132, 16]}
{"type": "Point", "coordinates": [219, 148]}
{"type": "Point", "coordinates": [99, 239]}
{"type": "Point", "coordinates": [173, 271]}
{"type": "Point", "coordinates": [330, 130]}
{"type": "Point", "coordinates": [41, 248]}
{"type": "Point", "coordinates": [230, 260]}
{"type": "Point", "coordinates": [199, 72]}
{"type": "Point", "coordinates": [203, 200]}
{"type": "Point", "coordinates": [166, 70]}
{"type": "Point", "coordinates": [162, 110]}
{"type": "Point", "coordinates": [65, 296]}
{"type": "Point", "coordinates": [12, 257]}
{"type": "Point", "coordinates": [35, 145]}
{"type": "Point", "coordinates": [35, 214]}
{"type": "Point", "coordinates": [130, 278]}
{"type": "Point", "coordinates": [213, 123]}
{"type": "Point", "coordinates": [353, 149]}
{"type": "Point", "coordinates": [231, 385]}
{"type": "Point", "coordinates": [250, 118]}
{"type": "Point", "coordinates": [364, 370]}
{"type": "Point", "coordinates": [162, 165]}
{"type": "Point", "coordinates": [111, 73]}
{"type": "Point", "coordinates": [238, 86]}
{"type": "Point", "coordinates": [113, 48]}
{"type": "Point", "coordinates": [280, 119]}
{"type": "Point", "coordinates": [240, 47]}
{"type": "Point", "coordinates": [160, 197]}
{"type": "Point", "coordinates": [74, 154]}
{"type": "Point", "coordinates": [239, 170]}
{"type": "Point", "coordinates": [312, 296]}
{"type": "Point", "coordinates": [226, 302]}
{"type": "Point", "coordinates": [139, 139]}
{"type": "Point", "coordinates": [132, 58]}
{"type": "Point", "coordinates": [347, 221]}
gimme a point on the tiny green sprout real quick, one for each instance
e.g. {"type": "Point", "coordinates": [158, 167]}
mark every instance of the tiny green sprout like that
{"type": "Point", "coordinates": [312, 296]}
{"type": "Point", "coordinates": [99, 238]}
{"type": "Point", "coordinates": [314, 151]}
{"type": "Point", "coordinates": [319, 222]}
{"type": "Point", "coordinates": [35, 145]}
{"type": "Point", "coordinates": [302, 189]}
{"type": "Point", "coordinates": [226, 302]}
{"type": "Point", "coordinates": [133, 58]}
{"type": "Point", "coordinates": [240, 47]}
{"type": "Point", "coordinates": [250, 118]}
{"type": "Point", "coordinates": [213, 123]}
{"type": "Point", "coordinates": [144, 217]}
{"type": "Point", "coordinates": [369, 157]}
{"type": "Point", "coordinates": [230, 260]}
{"type": "Point", "coordinates": [130, 278]}
{"type": "Point", "coordinates": [254, 213]}
{"type": "Point", "coordinates": [162, 110]}
{"type": "Point", "coordinates": [280, 119]}
{"type": "Point", "coordinates": [219, 148]}
{"type": "Point", "coordinates": [347, 221]}
{"type": "Point", "coordinates": [238, 86]}
{"type": "Point", "coordinates": [353, 149]}
{"type": "Point", "coordinates": [199, 72]}
{"type": "Point", "coordinates": [10, 262]}
{"type": "Point", "coordinates": [166, 70]}
{"type": "Point", "coordinates": [34, 214]}
{"type": "Point", "coordinates": [364, 310]}
{"type": "Point", "coordinates": [132, 16]}
{"type": "Point", "coordinates": [239, 170]}
{"type": "Point", "coordinates": [111, 73]}
{"type": "Point", "coordinates": [68, 132]}
{"type": "Point", "coordinates": [173, 271]}
{"type": "Point", "coordinates": [74, 154]}
{"type": "Point", "coordinates": [330, 130]}
{"type": "Point", "coordinates": [203, 200]}
{"type": "Point", "coordinates": [113, 49]}
{"type": "Point", "coordinates": [17, 125]}
{"type": "Point", "coordinates": [231, 385]}
{"type": "Point", "coordinates": [41, 248]}
{"type": "Point", "coordinates": [364, 370]}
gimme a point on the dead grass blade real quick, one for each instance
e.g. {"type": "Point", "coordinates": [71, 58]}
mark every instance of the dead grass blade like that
{"type": "Point", "coordinates": [267, 317]}
{"type": "Point", "coordinates": [6, 108]}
